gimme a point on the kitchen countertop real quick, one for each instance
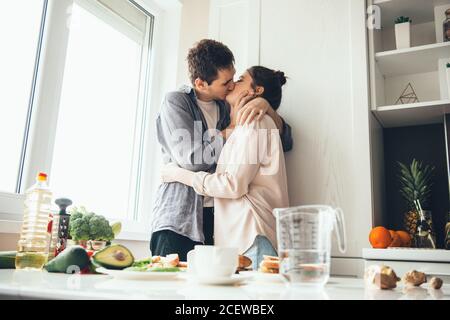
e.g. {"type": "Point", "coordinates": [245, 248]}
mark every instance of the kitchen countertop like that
{"type": "Point", "coordinates": [43, 285]}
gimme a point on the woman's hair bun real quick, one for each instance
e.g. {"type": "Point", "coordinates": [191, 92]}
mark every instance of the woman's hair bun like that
{"type": "Point", "coordinates": [281, 77]}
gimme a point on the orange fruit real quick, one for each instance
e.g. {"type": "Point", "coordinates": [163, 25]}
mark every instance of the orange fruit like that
{"type": "Point", "coordinates": [396, 240]}
{"type": "Point", "coordinates": [406, 238]}
{"type": "Point", "coordinates": [380, 237]}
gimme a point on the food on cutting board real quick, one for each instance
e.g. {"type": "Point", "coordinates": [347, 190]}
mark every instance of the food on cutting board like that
{"type": "Point", "coordinates": [382, 238]}
{"type": "Point", "coordinates": [169, 263]}
{"type": "Point", "coordinates": [382, 277]}
{"type": "Point", "coordinates": [270, 265]}
{"type": "Point", "coordinates": [436, 283]}
{"type": "Point", "coordinates": [414, 278]}
{"type": "Point", "coordinates": [115, 256]}
{"type": "Point", "coordinates": [71, 260]}
{"type": "Point", "coordinates": [8, 259]}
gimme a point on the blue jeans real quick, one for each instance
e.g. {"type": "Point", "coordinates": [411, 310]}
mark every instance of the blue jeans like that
{"type": "Point", "coordinates": [261, 247]}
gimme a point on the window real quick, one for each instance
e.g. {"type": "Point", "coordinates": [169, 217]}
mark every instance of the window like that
{"type": "Point", "coordinates": [97, 155]}
{"type": "Point", "coordinates": [76, 94]}
{"type": "Point", "coordinates": [20, 34]}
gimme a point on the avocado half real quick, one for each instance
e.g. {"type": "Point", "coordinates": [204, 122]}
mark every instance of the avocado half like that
{"type": "Point", "coordinates": [115, 256]}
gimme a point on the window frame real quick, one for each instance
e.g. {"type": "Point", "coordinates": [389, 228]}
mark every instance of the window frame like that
{"type": "Point", "coordinates": [47, 93]}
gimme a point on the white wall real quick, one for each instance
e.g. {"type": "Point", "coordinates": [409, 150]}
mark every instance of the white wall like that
{"type": "Point", "coordinates": [8, 241]}
{"type": "Point", "coordinates": [194, 27]}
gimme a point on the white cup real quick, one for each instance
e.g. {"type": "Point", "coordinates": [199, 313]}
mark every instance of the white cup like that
{"type": "Point", "coordinates": [213, 262]}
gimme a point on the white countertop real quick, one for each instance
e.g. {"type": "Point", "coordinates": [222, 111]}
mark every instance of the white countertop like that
{"type": "Point", "coordinates": [408, 254]}
{"type": "Point", "coordinates": [43, 285]}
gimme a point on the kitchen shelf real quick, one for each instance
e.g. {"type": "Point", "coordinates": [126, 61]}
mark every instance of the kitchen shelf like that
{"type": "Point", "coordinates": [407, 131]}
{"type": "Point", "coordinates": [407, 254]}
{"type": "Point", "coordinates": [420, 113]}
{"type": "Point", "coordinates": [412, 60]}
{"type": "Point", "coordinates": [420, 11]}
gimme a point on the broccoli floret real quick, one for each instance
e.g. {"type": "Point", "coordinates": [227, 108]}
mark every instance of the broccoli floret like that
{"type": "Point", "coordinates": [78, 228]}
{"type": "Point", "coordinates": [89, 226]}
{"type": "Point", "coordinates": [75, 214]}
{"type": "Point", "coordinates": [87, 217]}
{"type": "Point", "coordinates": [100, 228]}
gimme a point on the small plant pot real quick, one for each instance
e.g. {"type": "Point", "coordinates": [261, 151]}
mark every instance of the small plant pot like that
{"type": "Point", "coordinates": [403, 35]}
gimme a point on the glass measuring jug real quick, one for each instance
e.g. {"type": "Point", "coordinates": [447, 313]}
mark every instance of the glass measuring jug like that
{"type": "Point", "coordinates": [304, 242]}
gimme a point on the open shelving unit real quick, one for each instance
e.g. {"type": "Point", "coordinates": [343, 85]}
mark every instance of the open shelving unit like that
{"type": "Point", "coordinates": [413, 114]}
{"type": "Point", "coordinates": [412, 60]}
{"type": "Point", "coordinates": [421, 11]}
{"type": "Point", "coordinates": [423, 65]}
{"type": "Point", "coordinates": [410, 130]}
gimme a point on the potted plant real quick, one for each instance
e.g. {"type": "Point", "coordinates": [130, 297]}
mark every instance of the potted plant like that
{"type": "Point", "coordinates": [403, 32]}
{"type": "Point", "coordinates": [415, 184]}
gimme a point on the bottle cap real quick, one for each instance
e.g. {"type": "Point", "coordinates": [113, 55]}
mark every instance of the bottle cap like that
{"type": "Point", "coordinates": [42, 176]}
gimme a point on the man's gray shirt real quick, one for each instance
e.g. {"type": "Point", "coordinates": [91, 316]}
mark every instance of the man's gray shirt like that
{"type": "Point", "coordinates": [182, 133]}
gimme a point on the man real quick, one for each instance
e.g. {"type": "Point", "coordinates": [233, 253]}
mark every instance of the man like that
{"type": "Point", "coordinates": [181, 217]}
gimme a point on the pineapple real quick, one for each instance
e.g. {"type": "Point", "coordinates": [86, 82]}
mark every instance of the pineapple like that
{"type": "Point", "coordinates": [415, 184]}
{"type": "Point", "coordinates": [410, 222]}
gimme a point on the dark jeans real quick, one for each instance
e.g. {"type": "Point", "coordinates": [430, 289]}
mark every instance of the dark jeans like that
{"type": "Point", "coordinates": [165, 242]}
{"type": "Point", "coordinates": [208, 225]}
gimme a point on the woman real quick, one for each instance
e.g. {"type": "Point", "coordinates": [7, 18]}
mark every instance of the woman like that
{"type": "Point", "coordinates": [250, 178]}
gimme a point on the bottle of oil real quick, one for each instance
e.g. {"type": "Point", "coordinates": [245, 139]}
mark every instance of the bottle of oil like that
{"type": "Point", "coordinates": [32, 248]}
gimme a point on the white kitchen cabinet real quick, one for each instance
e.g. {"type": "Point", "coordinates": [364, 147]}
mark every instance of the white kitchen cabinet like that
{"type": "Point", "coordinates": [237, 24]}
{"type": "Point", "coordinates": [321, 46]}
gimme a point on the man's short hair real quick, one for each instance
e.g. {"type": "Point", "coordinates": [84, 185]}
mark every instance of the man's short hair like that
{"type": "Point", "coordinates": [206, 58]}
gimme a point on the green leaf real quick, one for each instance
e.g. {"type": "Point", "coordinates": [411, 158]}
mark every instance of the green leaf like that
{"type": "Point", "coordinates": [415, 181]}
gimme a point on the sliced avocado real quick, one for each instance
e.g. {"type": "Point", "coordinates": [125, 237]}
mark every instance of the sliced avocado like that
{"type": "Point", "coordinates": [72, 259]}
{"type": "Point", "coordinates": [115, 256]}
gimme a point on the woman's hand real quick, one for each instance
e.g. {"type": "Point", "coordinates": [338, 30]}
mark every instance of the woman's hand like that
{"type": "Point", "coordinates": [256, 109]}
{"type": "Point", "coordinates": [245, 98]}
{"type": "Point", "coordinates": [252, 109]}
{"type": "Point", "coordinates": [242, 100]}
{"type": "Point", "coordinates": [169, 172]}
